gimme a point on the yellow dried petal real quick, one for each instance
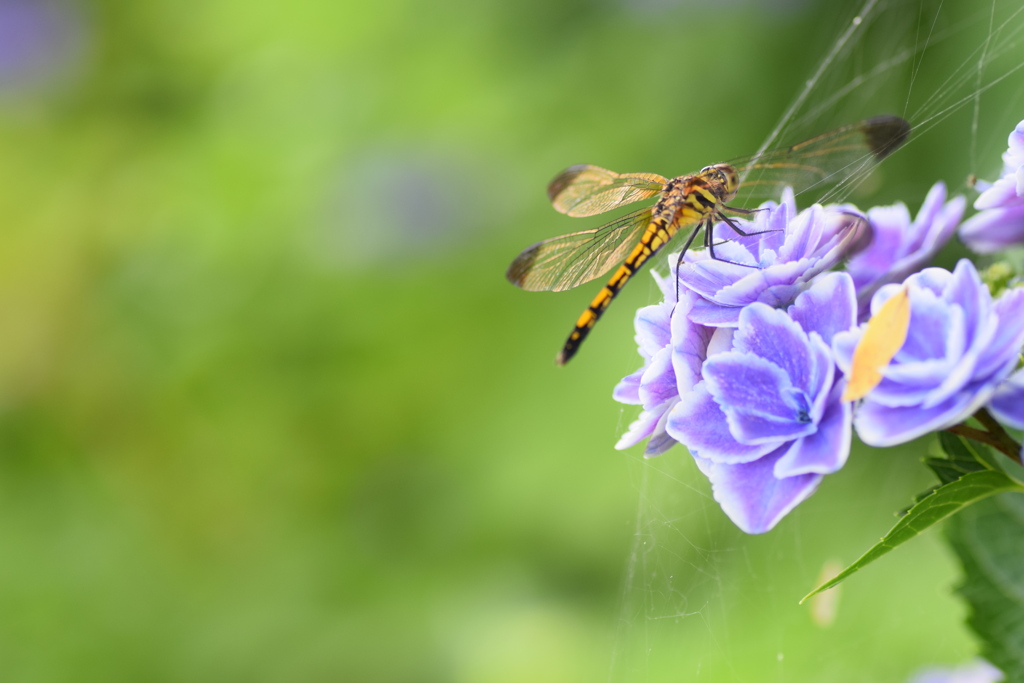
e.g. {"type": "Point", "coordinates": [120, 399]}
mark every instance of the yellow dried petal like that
{"type": "Point", "coordinates": [884, 336]}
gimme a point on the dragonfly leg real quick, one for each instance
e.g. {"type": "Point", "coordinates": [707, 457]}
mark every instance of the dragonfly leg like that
{"type": "Point", "coordinates": [743, 212]}
{"type": "Point", "coordinates": [689, 240]}
{"type": "Point", "coordinates": [732, 224]}
{"type": "Point", "coordinates": [709, 242]}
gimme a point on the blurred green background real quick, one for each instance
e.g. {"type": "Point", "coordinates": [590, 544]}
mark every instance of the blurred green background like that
{"type": "Point", "coordinates": [270, 411]}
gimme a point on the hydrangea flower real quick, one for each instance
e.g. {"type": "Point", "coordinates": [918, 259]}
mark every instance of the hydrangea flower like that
{"type": "Point", "coordinates": [960, 346]}
{"type": "Point", "coordinates": [978, 671]}
{"type": "Point", "coordinates": [1008, 402]}
{"type": "Point", "coordinates": [766, 423]}
{"type": "Point", "coordinates": [1000, 222]}
{"type": "Point", "coordinates": [770, 267]}
{"type": "Point", "coordinates": [900, 246]}
{"type": "Point", "coordinates": [673, 349]}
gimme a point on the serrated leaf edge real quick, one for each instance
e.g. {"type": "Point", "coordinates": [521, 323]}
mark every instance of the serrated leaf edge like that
{"type": "Point", "coordinates": [988, 482]}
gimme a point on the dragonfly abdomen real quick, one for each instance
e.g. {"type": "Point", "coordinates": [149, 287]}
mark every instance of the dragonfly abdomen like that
{"type": "Point", "coordinates": [687, 200]}
{"type": "Point", "coordinates": [657, 234]}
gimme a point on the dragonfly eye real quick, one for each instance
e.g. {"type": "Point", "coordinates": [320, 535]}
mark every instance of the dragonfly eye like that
{"type": "Point", "coordinates": [713, 173]}
{"type": "Point", "coordinates": [730, 176]}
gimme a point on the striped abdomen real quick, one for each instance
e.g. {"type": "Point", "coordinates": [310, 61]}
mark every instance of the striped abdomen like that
{"type": "Point", "coordinates": [687, 201]}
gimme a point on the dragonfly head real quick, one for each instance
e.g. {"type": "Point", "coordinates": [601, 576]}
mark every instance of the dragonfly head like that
{"type": "Point", "coordinates": [725, 176]}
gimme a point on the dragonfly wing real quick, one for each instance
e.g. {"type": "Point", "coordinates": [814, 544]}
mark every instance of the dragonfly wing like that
{"type": "Point", "coordinates": [821, 162]}
{"type": "Point", "coordinates": [586, 190]}
{"type": "Point", "coordinates": [568, 261]}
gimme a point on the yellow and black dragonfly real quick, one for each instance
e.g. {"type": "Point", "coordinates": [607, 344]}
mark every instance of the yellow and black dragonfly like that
{"type": "Point", "coordinates": [697, 200]}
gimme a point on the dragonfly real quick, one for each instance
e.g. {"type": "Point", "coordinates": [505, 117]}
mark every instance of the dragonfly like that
{"type": "Point", "coordinates": [696, 201]}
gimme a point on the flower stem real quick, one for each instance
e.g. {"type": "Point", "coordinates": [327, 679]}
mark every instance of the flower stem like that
{"type": "Point", "coordinates": [997, 430]}
{"type": "Point", "coordinates": [996, 436]}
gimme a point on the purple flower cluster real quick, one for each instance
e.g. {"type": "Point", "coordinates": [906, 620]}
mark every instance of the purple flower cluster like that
{"type": "Point", "coordinates": [747, 367]}
{"type": "Point", "coordinates": [667, 372]}
{"type": "Point", "coordinates": [784, 251]}
{"type": "Point", "coordinates": [1000, 221]}
{"type": "Point", "coordinates": [961, 345]}
{"type": "Point", "coordinates": [749, 386]}
{"type": "Point", "coordinates": [766, 421]}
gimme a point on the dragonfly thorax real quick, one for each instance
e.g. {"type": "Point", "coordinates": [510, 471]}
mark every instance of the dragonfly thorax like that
{"type": "Point", "coordinates": [693, 197]}
{"type": "Point", "coordinates": [723, 178]}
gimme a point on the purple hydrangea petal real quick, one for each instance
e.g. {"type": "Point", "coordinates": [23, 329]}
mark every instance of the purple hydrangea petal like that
{"type": "Point", "coordinates": [667, 285]}
{"type": "Point", "coordinates": [931, 326]}
{"type": "Point", "coordinates": [628, 390]}
{"type": "Point", "coordinates": [1000, 221]}
{"type": "Point", "coordinates": [843, 346]}
{"type": "Point", "coordinates": [824, 375]}
{"type": "Point", "coordinates": [689, 344]}
{"type": "Point", "coordinates": [711, 314]}
{"type": "Point", "coordinates": [937, 280]}
{"type": "Point", "coordinates": [757, 285]}
{"type": "Point", "coordinates": [930, 209]}
{"type": "Point", "coordinates": [750, 494]}
{"type": "Point", "coordinates": [660, 440]}
{"type": "Point", "coordinates": [771, 334]}
{"type": "Point", "coordinates": [805, 233]}
{"type": "Point", "coordinates": [994, 230]}
{"type": "Point", "coordinates": [833, 237]}
{"type": "Point", "coordinates": [658, 383]}
{"type": "Point", "coordinates": [973, 297]}
{"type": "Point", "coordinates": [829, 307]}
{"type": "Point", "coordinates": [887, 223]}
{"type": "Point", "coordinates": [708, 277]}
{"type": "Point", "coordinates": [757, 397]}
{"type": "Point", "coordinates": [698, 421]}
{"type": "Point", "coordinates": [961, 359]}
{"type": "Point", "coordinates": [825, 451]}
{"type": "Point", "coordinates": [900, 246]}
{"type": "Point", "coordinates": [640, 429]}
{"type": "Point", "coordinates": [998, 195]}
{"type": "Point", "coordinates": [935, 224]}
{"type": "Point", "coordinates": [1014, 154]}
{"type": "Point", "coordinates": [879, 425]}
{"type": "Point", "coordinates": [737, 252]}
{"type": "Point", "coordinates": [652, 328]}
{"type": "Point", "coordinates": [909, 384]}
{"type": "Point", "coordinates": [1009, 311]}
{"type": "Point", "coordinates": [1007, 403]}
{"type": "Point", "coordinates": [924, 361]}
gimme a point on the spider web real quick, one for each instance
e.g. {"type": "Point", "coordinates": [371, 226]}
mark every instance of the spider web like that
{"type": "Point", "coordinates": [701, 601]}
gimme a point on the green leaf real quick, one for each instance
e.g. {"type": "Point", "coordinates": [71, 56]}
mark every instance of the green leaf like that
{"type": "Point", "coordinates": [955, 457]}
{"type": "Point", "coordinates": [952, 457]}
{"type": "Point", "coordinates": [961, 458]}
{"type": "Point", "coordinates": [1010, 467]}
{"type": "Point", "coordinates": [989, 540]}
{"type": "Point", "coordinates": [942, 503]}
{"type": "Point", "coordinates": [999, 462]}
